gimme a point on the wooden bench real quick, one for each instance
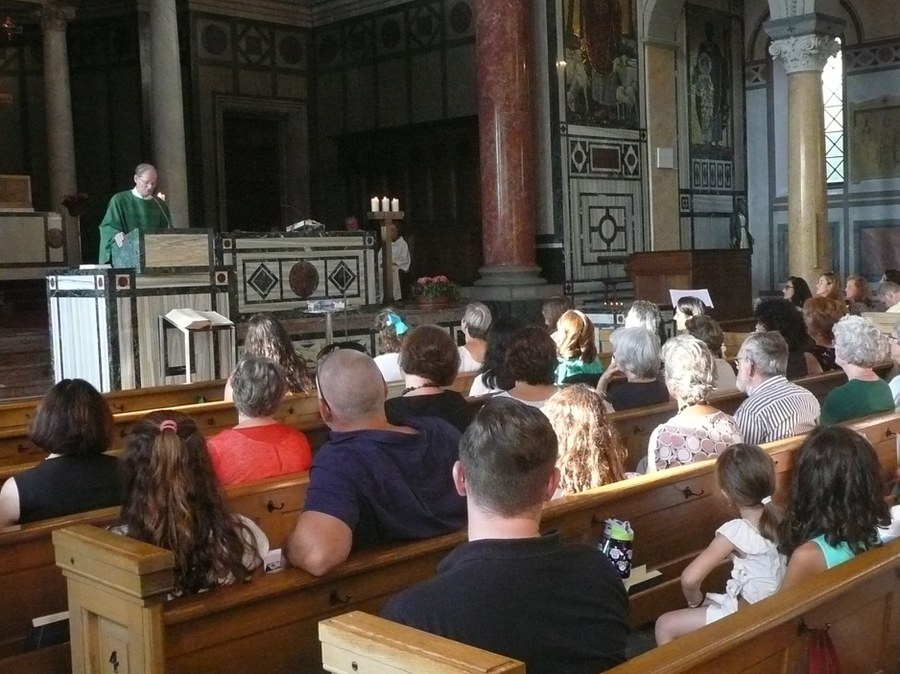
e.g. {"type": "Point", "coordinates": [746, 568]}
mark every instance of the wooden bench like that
{"type": "Point", "coordinates": [858, 603]}
{"type": "Point", "coordinates": [270, 624]}
{"type": "Point", "coordinates": [32, 586]}
{"type": "Point", "coordinates": [19, 411]}
{"type": "Point", "coordinates": [18, 453]}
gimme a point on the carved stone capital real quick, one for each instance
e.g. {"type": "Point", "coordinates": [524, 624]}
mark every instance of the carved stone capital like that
{"type": "Point", "coordinates": [802, 53]}
{"type": "Point", "coordinates": [54, 15]}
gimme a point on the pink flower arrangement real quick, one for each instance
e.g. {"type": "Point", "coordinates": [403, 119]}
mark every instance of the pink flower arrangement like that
{"type": "Point", "coordinates": [434, 287]}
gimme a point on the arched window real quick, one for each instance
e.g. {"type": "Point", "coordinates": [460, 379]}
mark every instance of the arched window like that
{"type": "Point", "coordinates": [833, 98]}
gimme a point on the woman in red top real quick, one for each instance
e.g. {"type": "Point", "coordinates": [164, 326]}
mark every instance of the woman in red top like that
{"type": "Point", "coordinates": [259, 447]}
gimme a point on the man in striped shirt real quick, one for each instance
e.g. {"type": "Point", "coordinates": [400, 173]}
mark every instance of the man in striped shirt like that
{"type": "Point", "coordinates": [775, 408]}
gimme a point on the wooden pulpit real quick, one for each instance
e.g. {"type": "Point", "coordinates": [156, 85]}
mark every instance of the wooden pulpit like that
{"type": "Point", "coordinates": [724, 272]}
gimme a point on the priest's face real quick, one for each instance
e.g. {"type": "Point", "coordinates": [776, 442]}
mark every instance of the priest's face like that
{"type": "Point", "coordinates": [145, 183]}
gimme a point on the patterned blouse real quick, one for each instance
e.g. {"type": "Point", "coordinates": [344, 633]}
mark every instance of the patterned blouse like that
{"type": "Point", "coordinates": [686, 438]}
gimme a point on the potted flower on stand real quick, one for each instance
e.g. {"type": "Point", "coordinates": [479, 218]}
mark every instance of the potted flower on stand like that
{"type": "Point", "coordinates": [435, 291]}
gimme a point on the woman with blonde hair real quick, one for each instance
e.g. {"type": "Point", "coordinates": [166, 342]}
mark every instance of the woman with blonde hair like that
{"type": "Point", "coordinates": [578, 361]}
{"type": "Point", "coordinates": [829, 285]}
{"type": "Point", "coordinates": [173, 500]}
{"type": "Point", "coordinates": [699, 431]}
{"type": "Point", "coordinates": [267, 337]}
{"type": "Point", "coordinates": [590, 451]}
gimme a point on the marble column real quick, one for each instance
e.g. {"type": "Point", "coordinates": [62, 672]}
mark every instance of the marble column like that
{"type": "Point", "coordinates": [167, 109]}
{"type": "Point", "coordinates": [804, 56]}
{"type": "Point", "coordinates": [54, 17]}
{"type": "Point", "coordinates": [506, 141]}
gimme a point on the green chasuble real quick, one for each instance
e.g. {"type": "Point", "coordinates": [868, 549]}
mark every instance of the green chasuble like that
{"type": "Point", "coordinates": [127, 212]}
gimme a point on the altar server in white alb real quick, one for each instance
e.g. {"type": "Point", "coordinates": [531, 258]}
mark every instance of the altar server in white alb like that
{"type": "Point", "coordinates": [399, 257]}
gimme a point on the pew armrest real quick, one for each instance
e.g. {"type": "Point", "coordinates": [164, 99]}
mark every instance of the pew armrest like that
{"type": "Point", "coordinates": [361, 642]}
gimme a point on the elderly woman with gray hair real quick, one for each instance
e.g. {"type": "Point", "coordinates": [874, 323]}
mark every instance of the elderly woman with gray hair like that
{"type": "Point", "coordinates": [632, 378]}
{"type": "Point", "coordinates": [475, 324]}
{"type": "Point", "coordinates": [858, 347]}
{"type": "Point", "coordinates": [259, 447]}
{"type": "Point", "coordinates": [698, 431]}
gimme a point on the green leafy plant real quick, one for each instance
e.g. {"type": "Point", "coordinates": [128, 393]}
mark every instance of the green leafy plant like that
{"type": "Point", "coordinates": [436, 287]}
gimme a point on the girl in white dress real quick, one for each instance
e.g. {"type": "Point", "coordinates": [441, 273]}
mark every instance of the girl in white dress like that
{"type": "Point", "coordinates": [746, 476]}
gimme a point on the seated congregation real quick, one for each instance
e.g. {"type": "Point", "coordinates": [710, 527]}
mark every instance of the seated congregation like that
{"type": "Point", "coordinates": [430, 462]}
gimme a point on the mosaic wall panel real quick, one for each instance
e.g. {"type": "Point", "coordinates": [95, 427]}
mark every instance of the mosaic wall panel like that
{"type": "Point", "coordinates": [604, 158]}
{"type": "Point", "coordinates": [250, 43]}
{"type": "Point", "coordinates": [712, 174]}
{"type": "Point", "coordinates": [872, 56]}
{"type": "Point", "coordinates": [710, 87]}
{"type": "Point", "coordinates": [600, 75]}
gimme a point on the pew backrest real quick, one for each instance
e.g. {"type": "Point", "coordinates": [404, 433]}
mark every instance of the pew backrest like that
{"type": "Point", "coordinates": [858, 603]}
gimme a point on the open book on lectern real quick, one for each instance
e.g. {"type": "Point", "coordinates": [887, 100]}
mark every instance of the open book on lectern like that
{"type": "Point", "coordinates": [192, 319]}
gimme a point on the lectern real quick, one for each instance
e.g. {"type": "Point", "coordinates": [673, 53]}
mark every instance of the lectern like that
{"type": "Point", "coordinates": [725, 272]}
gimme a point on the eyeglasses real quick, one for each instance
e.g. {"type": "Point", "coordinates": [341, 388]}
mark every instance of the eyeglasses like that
{"type": "Point", "coordinates": [737, 361]}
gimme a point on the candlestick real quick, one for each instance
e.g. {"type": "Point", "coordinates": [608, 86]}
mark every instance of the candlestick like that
{"type": "Point", "coordinates": [385, 204]}
{"type": "Point", "coordinates": [374, 204]}
{"type": "Point", "coordinates": [395, 205]}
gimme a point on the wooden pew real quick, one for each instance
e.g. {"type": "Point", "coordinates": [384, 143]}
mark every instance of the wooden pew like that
{"type": "Point", "coordinates": [18, 453]}
{"type": "Point", "coordinates": [32, 586]}
{"type": "Point", "coordinates": [858, 603]}
{"type": "Point", "coordinates": [270, 624]}
{"type": "Point", "coordinates": [19, 411]}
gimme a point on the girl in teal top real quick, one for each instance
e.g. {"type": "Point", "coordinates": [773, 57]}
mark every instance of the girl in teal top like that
{"type": "Point", "coordinates": [836, 503]}
{"type": "Point", "coordinates": [576, 347]}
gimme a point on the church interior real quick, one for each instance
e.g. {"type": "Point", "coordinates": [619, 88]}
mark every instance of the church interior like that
{"type": "Point", "coordinates": [535, 148]}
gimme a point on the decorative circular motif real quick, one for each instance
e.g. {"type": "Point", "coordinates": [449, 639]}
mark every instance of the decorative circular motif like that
{"type": "Point", "coordinates": [606, 227]}
{"type": "Point", "coordinates": [221, 277]}
{"type": "Point", "coordinates": [390, 33]}
{"type": "Point", "coordinates": [303, 279]}
{"type": "Point", "coordinates": [122, 281]}
{"type": "Point", "coordinates": [55, 238]}
{"type": "Point", "coordinates": [99, 282]}
{"type": "Point", "coordinates": [214, 40]}
{"type": "Point", "coordinates": [461, 17]}
{"type": "Point", "coordinates": [52, 282]}
{"type": "Point", "coordinates": [291, 50]}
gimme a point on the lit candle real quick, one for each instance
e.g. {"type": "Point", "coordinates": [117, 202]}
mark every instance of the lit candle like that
{"type": "Point", "coordinates": [385, 204]}
{"type": "Point", "coordinates": [374, 204]}
{"type": "Point", "coordinates": [395, 205]}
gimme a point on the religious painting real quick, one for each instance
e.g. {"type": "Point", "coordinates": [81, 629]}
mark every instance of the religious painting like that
{"type": "Point", "coordinates": [875, 140]}
{"type": "Point", "coordinates": [709, 81]}
{"type": "Point", "coordinates": [601, 63]}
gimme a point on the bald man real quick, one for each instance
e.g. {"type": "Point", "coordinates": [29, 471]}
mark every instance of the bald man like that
{"type": "Point", "coordinates": [372, 482]}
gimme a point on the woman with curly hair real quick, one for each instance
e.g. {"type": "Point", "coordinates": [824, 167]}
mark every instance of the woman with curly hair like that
{"type": "Point", "coordinates": [699, 431]}
{"type": "Point", "coordinates": [779, 315]}
{"type": "Point", "coordinates": [859, 296]}
{"type": "Point", "coordinates": [796, 291]}
{"type": "Point", "coordinates": [858, 347]}
{"type": "Point", "coordinates": [820, 314]}
{"type": "Point", "coordinates": [836, 503]}
{"type": "Point", "coordinates": [578, 361]}
{"type": "Point", "coordinates": [390, 330]}
{"type": "Point", "coordinates": [173, 500]}
{"type": "Point", "coordinates": [267, 337]}
{"type": "Point", "coordinates": [429, 359]}
{"type": "Point", "coordinates": [590, 452]}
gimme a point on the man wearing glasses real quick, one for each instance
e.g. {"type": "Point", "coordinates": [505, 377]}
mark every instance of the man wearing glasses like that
{"type": "Point", "coordinates": [137, 208]}
{"type": "Point", "coordinates": [372, 482]}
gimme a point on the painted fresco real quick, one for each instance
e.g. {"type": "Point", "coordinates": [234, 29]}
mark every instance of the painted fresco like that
{"type": "Point", "coordinates": [710, 86]}
{"type": "Point", "coordinates": [601, 63]}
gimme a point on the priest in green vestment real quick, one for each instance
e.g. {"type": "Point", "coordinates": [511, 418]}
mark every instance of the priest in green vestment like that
{"type": "Point", "coordinates": [137, 208]}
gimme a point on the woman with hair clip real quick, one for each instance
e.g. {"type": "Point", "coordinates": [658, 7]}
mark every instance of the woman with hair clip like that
{"type": "Point", "coordinates": [390, 331]}
{"type": "Point", "coordinates": [267, 337]}
{"type": "Point", "coordinates": [746, 476]}
{"type": "Point", "coordinates": [173, 500]}
{"type": "Point", "coordinates": [578, 361]}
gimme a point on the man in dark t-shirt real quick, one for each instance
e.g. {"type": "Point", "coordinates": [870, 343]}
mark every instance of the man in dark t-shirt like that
{"type": "Point", "coordinates": [560, 609]}
{"type": "Point", "coordinates": [372, 482]}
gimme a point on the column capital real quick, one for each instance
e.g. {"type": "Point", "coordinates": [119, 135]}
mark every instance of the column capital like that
{"type": "Point", "coordinates": [801, 53]}
{"type": "Point", "coordinates": [54, 15]}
